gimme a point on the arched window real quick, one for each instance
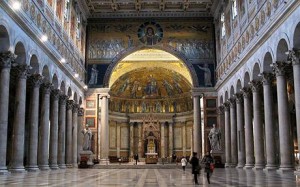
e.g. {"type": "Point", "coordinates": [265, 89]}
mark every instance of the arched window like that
{"type": "Point", "coordinates": [234, 9]}
{"type": "Point", "coordinates": [78, 21]}
{"type": "Point", "coordinates": [222, 25]}
{"type": "Point", "coordinates": [67, 10]}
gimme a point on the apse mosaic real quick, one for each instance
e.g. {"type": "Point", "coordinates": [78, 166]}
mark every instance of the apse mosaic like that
{"type": "Point", "coordinates": [150, 83]}
{"type": "Point", "coordinates": [156, 90]}
{"type": "Point", "coordinates": [190, 39]}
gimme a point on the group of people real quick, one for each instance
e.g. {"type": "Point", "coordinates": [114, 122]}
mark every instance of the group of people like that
{"type": "Point", "coordinates": [207, 160]}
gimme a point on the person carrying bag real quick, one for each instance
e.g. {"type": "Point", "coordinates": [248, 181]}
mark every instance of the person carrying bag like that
{"type": "Point", "coordinates": [209, 165]}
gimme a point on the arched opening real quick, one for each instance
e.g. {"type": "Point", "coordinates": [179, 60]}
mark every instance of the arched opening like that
{"type": "Point", "coordinates": [150, 81]}
{"type": "Point", "coordinates": [4, 39]}
{"type": "Point", "coordinates": [20, 52]}
{"type": "Point", "coordinates": [55, 82]}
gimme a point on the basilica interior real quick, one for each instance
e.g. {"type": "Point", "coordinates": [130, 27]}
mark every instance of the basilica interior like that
{"type": "Point", "coordinates": [105, 80]}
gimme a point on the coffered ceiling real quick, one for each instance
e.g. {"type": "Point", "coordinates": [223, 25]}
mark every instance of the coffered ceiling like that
{"type": "Point", "coordinates": [149, 8]}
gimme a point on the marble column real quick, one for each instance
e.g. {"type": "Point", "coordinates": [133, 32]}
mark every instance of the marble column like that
{"type": "Point", "coordinates": [248, 129]}
{"type": "Point", "coordinates": [74, 134]}
{"type": "Point", "coordinates": [140, 143]}
{"type": "Point", "coordinates": [269, 121]}
{"type": "Point", "coordinates": [162, 143]}
{"type": "Point", "coordinates": [283, 118]}
{"type": "Point", "coordinates": [61, 155]}
{"type": "Point", "coordinates": [221, 122]}
{"type": "Point", "coordinates": [233, 132]}
{"type": "Point", "coordinates": [197, 126]}
{"type": "Point", "coordinates": [6, 60]}
{"type": "Point", "coordinates": [131, 140]}
{"type": "Point", "coordinates": [293, 57]}
{"type": "Point", "coordinates": [80, 136]}
{"type": "Point", "coordinates": [257, 125]}
{"type": "Point", "coordinates": [43, 149]}
{"type": "Point", "coordinates": [18, 136]}
{"type": "Point", "coordinates": [69, 157]}
{"type": "Point", "coordinates": [104, 96]}
{"type": "Point", "coordinates": [171, 139]}
{"type": "Point", "coordinates": [184, 140]}
{"type": "Point", "coordinates": [240, 130]}
{"type": "Point", "coordinates": [118, 140]}
{"type": "Point", "coordinates": [36, 81]}
{"type": "Point", "coordinates": [227, 135]}
{"type": "Point", "coordinates": [54, 129]}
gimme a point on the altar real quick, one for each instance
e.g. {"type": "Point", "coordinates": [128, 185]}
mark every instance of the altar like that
{"type": "Point", "coordinates": [151, 155]}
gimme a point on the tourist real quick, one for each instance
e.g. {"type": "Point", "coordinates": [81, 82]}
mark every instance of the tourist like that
{"type": "Point", "coordinates": [183, 163]}
{"type": "Point", "coordinates": [195, 167]}
{"type": "Point", "coordinates": [136, 158]}
{"type": "Point", "coordinates": [208, 161]}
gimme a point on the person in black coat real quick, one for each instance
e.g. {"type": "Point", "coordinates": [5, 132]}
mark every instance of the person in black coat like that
{"type": "Point", "coordinates": [136, 158]}
{"type": "Point", "coordinates": [208, 160]}
{"type": "Point", "coordinates": [195, 167]}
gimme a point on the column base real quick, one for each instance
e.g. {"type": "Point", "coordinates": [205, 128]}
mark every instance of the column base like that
{"type": "Point", "coordinates": [282, 170]}
{"type": "Point", "coordinates": [32, 168]}
{"type": "Point", "coordinates": [75, 165]}
{"type": "Point", "coordinates": [297, 172]}
{"type": "Point", "coordinates": [62, 166]}
{"type": "Point", "coordinates": [270, 168]}
{"type": "Point", "coordinates": [69, 165]}
{"type": "Point", "coordinates": [18, 170]}
{"type": "Point", "coordinates": [233, 166]}
{"type": "Point", "coordinates": [259, 167]}
{"type": "Point", "coordinates": [44, 167]}
{"type": "Point", "coordinates": [240, 166]}
{"type": "Point", "coordinates": [249, 166]}
{"type": "Point", "coordinates": [54, 167]}
{"type": "Point", "coordinates": [227, 165]}
{"type": "Point", "coordinates": [104, 161]}
{"type": "Point", "coordinates": [4, 171]}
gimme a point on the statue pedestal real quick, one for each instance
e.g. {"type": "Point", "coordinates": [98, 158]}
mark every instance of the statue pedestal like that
{"type": "Point", "coordinates": [86, 159]}
{"type": "Point", "coordinates": [219, 158]}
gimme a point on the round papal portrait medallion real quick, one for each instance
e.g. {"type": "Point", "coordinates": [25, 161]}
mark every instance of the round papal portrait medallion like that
{"type": "Point", "coordinates": [150, 33]}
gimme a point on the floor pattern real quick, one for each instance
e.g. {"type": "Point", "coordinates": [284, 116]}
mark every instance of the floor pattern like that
{"type": "Point", "coordinates": [146, 178]}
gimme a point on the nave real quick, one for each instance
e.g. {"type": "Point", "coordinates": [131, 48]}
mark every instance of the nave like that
{"type": "Point", "coordinates": [147, 178]}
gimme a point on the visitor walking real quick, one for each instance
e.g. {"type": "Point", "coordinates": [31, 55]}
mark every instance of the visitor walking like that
{"type": "Point", "coordinates": [195, 167]}
{"type": "Point", "coordinates": [183, 163]}
{"type": "Point", "coordinates": [209, 165]}
{"type": "Point", "coordinates": [136, 158]}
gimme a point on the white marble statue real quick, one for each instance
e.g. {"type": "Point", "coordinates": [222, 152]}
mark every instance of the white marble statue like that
{"type": "Point", "coordinates": [214, 137]}
{"type": "Point", "coordinates": [87, 139]}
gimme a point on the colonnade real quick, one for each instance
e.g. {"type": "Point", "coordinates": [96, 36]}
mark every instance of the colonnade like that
{"type": "Point", "coordinates": [250, 130]}
{"type": "Point", "coordinates": [52, 118]}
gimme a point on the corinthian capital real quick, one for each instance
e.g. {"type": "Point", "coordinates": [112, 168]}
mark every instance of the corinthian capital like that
{"type": "Point", "coordinates": [239, 98]}
{"type": "Point", "coordinates": [266, 78]}
{"type": "Point", "coordinates": [55, 94]}
{"type": "Point", "coordinates": [226, 106]}
{"type": "Point", "coordinates": [63, 99]}
{"type": "Point", "coordinates": [255, 85]}
{"type": "Point", "coordinates": [80, 111]}
{"type": "Point", "coordinates": [70, 104]}
{"type": "Point", "coordinates": [279, 68]}
{"type": "Point", "coordinates": [232, 101]}
{"type": "Point", "coordinates": [47, 86]}
{"type": "Point", "coordinates": [220, 110]}
{"type": "Point", "coordinates": [36, 80]}
{"type": "Point", "coordinates": [75, 108]}
{"type": "Point", "coordinates": [22, 71]}
{"type": "Point", "coordinates": [293, 56]}
{"type": "Point", "coordinates": [6, 58]}
{"type": "Point", "coordinates": [246, 92]}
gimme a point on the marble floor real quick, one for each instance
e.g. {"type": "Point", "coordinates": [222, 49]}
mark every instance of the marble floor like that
{"type": "Point", "coordinates": [147, 178]}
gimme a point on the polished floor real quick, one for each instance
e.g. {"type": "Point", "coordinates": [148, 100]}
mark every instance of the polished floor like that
{"type": "Point", "coordinates": [147, 178]}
